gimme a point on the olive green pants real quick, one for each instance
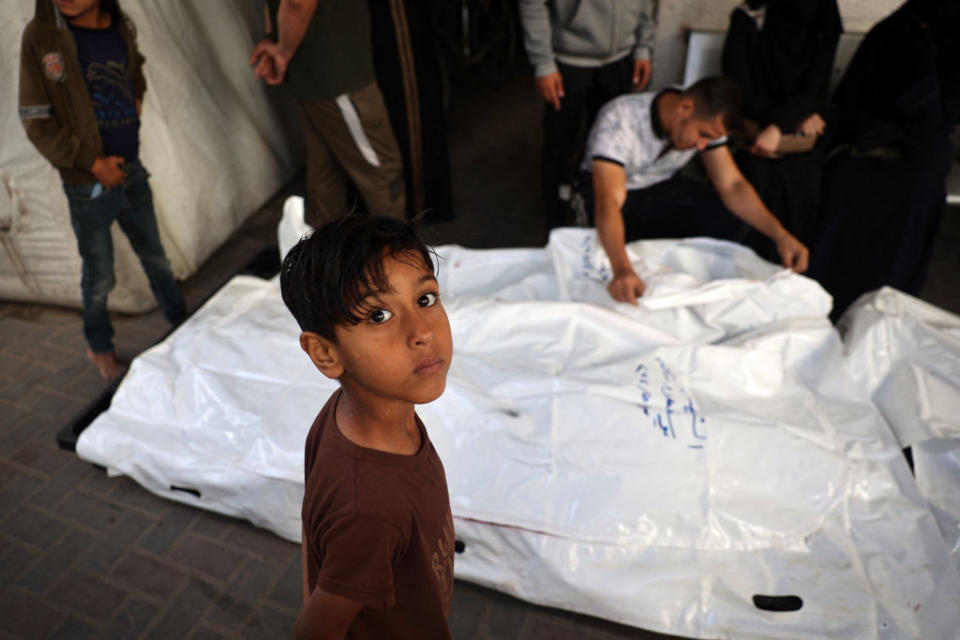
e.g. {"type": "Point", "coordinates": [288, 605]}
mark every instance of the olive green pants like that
{"type": "Point", "coordinates": [349, 140]}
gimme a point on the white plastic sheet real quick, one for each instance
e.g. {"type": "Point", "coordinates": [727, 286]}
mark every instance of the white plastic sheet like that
{"type": "Point", "coordinates": [906, 354]}
{"type": "Point", "coordinates": [214, 145]}
{"type": "Point", "coordinates": [657, 465]}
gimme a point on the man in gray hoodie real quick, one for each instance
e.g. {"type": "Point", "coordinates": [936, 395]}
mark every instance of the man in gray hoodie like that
{"type": "Point", "coordinates": [584, 53]}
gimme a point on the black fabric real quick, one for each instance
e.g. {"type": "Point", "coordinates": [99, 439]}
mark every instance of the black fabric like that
{"type": "Point", "coordinates": [884, 192]}
{"type": "Point", "coordinates": [102, 55]}
{"type": "Point", "coordinates": [681, 207]}
{"type": "Point", "coordinates": [881, 217]}
{"type": "Point", "coordinates": [606, 159]}
{"type": "Point", "coordinates": [783, 70]}
{"type": "Point", "coordinates": [435, 165]}
{"type": "Point", "coordinates": [901, 90]}
{"type": "Point", "coordinates": [942, 17]}
{"type": "Point", "coordinates": [586, 89]}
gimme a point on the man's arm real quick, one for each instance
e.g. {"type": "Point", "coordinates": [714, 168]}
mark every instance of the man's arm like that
{"type": "Point", "coordinates": [325, 616]}
{"type": "Point", "coordinates": [645, 34]}
{"type": "Point", "coordinates": [610, 193]}
{"type": "Point", "coordinates": [739, 197]}
{"type": "Point", "coordinates": [271, 58]}
{"type": "Point", "coordinates": [538, 36]}
{"type": "Point", "coordinates": [538, 41]}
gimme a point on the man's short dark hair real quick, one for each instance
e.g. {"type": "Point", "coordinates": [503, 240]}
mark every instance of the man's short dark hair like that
{"type": "Point", "coordinates": [324, 277]}
{"type": "Point", "coordinates": [715, 96]}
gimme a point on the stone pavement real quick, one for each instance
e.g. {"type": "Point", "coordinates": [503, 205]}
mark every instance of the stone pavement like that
{"type": "Point", "coordinates": [86, 556]}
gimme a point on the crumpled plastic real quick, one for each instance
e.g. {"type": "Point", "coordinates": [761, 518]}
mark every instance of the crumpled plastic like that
{"type": "Point", "coordinates": [905, 354]}
{"type": "Point", "coordinates": [658, 465]}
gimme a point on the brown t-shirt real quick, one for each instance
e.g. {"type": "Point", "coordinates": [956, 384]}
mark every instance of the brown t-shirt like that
{"type": "Point", "coordinates": [379, 531]}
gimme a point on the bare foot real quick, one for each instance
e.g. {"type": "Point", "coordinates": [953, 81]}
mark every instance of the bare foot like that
{"type": "Point", "coordinates": [107, 363]}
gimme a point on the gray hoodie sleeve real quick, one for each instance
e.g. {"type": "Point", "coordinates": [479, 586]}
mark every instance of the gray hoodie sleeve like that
{"type": "Point", "coordinates": [538, 36]}
{"type": "Point", "coordinates": [646, 33]}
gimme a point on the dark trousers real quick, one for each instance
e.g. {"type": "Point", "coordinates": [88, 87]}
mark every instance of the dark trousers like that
{"type": "Point", "coordinates": [680, 207]}
{"type": "Point", "coordinates": [349, 141]}
{"type": "Point", "coordinates": [586, 89]}
{"type": "Point", "coordinates": [92, 213]}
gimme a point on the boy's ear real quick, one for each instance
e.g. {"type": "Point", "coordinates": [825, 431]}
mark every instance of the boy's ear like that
{"type": "Point", "coordinates": [685, 107]}
{"type": "Point", "coordinates": [323, 352]}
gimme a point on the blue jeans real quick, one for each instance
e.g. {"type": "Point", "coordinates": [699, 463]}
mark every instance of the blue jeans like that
{"type": "Point", "coordinates": [91, 215]}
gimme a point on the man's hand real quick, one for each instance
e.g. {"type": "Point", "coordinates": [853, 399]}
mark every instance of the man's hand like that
{"type": "Point", "coordinates": [742, 200]}
{"type": "Point", "coordinates": [269, 62]}
{"type": "Point", "coordinates": [793, 253]}
{"type": "Point", "coordinates": [550, 88]}
{"type": "Point", "coordinates": [610, 187]}
{"type": "Point", "coordinates": [641, 74]}
{"type": "Point", "coordinates": [767, 142]}
{"type": "Point", "coordinates": [626, 287]}
{"type": "Point", "coordinates": [108, 172]}
{"type": "Point", "coordinates": [812, 125]}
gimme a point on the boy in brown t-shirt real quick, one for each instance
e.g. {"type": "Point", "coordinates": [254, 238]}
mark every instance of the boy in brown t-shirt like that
{"type": "Point", "coordinates": [377, 529]}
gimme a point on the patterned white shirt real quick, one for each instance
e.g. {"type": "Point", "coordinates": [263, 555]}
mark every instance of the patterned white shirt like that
{"type": "Point", "coordinates": [624, 133]}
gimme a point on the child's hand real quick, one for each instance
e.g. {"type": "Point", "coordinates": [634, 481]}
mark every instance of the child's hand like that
{"type": "Point", "coordinates": [108, 172]}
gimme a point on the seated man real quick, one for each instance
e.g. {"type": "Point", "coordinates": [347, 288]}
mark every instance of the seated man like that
{"type": "Point", "coordinates": [634, 150]}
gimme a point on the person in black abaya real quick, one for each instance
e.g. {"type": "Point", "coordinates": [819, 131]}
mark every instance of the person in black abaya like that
{"type": "Point", "coordinates": [405, 59]}
{"type": "Point", "coordinates": [884, 189]}
{"type": "Point", "coordinates": [780, 53]}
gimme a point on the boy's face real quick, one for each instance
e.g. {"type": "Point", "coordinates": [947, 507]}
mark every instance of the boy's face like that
{"type": "Point", "coordinates": [76, 8]}
{"type": "Point", "coordinates": [402, 349]}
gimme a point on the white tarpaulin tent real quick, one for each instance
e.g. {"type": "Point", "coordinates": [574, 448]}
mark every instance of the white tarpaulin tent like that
{"type": "Point", "coordinates": [661, 465]}
{"type": "Point", "coordinates": [213, 144]}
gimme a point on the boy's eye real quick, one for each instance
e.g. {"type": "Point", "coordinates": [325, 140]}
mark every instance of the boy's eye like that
{"type": "Point", "coordinates": [380, 316]}
{"type": "Point", "coordinates": [427, 300]}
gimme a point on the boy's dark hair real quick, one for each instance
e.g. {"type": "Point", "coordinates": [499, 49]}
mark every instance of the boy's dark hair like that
{"type": "Point", "coordinates": [715, 96]}
{"type": "Point", "coordinates": [326, 275]}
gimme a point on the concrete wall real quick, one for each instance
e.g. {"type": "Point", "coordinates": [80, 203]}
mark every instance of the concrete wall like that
{"type": "Point", "coordinates": [676, 18]}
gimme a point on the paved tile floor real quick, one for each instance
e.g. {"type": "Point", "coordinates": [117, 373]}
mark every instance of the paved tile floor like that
{"type": "Point", "coordinates": [86, 556]}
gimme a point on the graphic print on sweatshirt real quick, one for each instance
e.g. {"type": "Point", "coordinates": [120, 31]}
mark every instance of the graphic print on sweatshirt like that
{"type": "Point", "coordinates": [103, 59]}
